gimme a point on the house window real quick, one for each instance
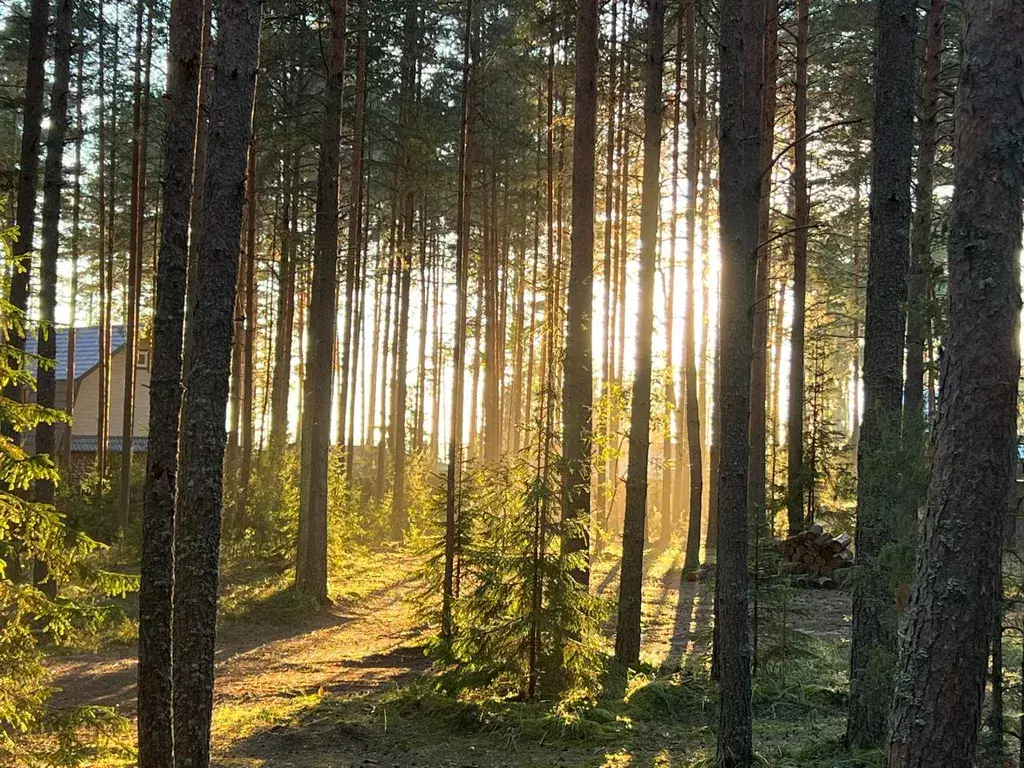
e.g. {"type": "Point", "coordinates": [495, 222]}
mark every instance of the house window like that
{"type": "Point", "coordinates": [142, 359]}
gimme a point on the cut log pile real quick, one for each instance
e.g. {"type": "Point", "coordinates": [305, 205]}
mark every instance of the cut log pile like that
{"type": "Point", "coordinates": [814, 558]}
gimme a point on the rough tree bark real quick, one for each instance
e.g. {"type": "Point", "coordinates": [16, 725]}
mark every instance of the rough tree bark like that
{"type": "Point", "coordinates": [627, 631]}
{"type": "Point", "coordinates": [248, 340]}
{"type": "Point", "coordinates": [28, 170]}
{"type": "Point", "coordinates": [355, 232]}
{"type": "Point", "coordinates": [53, 177]}
{"type": "Point", "coordinates": [796, 480]}
{"type": "Point", "coordinates": [311, 569]}
{"type": "Point", "coordinates": [107, 264]}
{"type": "Point", "coordinates": [410, 106]}
{"type": "Point", "coordinates": [756, 479]}
{"type": "Point", "coordinates": [671, 456]}
{"type": "Point", "coordinates": [918, 325]}
{"type": "Point", "coordinates": [459, 348]}
{"type": "Point", "coordinates": [740, 93]}
{"type": "Point", "coordinates": [154, 685]}
{"type": "Point", "coordinates": [880, 523]}
{"type": "Point", "coordinates": [691, 561]}
{"type": "Point", "coordinates": [76, 232]}
{"type": "Point", "coordinates": [941, 674]}
{"type": "Point", "coordinates": [578, 382]}
{"type": "Point", "coordinates": [140, 116]}
{"type": "Point", "coordinates": [200, 478]}
{"type": "Point", "coordinates": [282, 379]}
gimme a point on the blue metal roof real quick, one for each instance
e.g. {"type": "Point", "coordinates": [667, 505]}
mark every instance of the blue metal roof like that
{"type": "Point", "coordinates": [87, 348]}
{"type": "Point", "coordinates": [87, 444]}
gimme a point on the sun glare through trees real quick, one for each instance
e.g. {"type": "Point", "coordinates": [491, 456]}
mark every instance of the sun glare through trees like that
{"type": "Point", "coordinates": [502, 384]}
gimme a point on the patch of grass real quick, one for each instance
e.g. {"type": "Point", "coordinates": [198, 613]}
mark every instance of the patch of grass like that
{"type": "Point", "coordinates": [241, 720]}
{"type": "Point", "coordinates": [674, 699]}
{"type": "Point", "coordinates": [659, 722]}
{"type": "Point", "coordinates": [270, 601]}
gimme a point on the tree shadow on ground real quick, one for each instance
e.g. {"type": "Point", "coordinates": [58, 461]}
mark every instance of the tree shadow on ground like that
{"type": "Point", "coordinates": [109, 679]}
{"type": "Point", "coordinates": [693, 621]}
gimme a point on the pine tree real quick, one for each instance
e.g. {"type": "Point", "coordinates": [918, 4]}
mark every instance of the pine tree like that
{"type": "Point", "coordinates": [797, 471]}
{"type": "Point", "coordinates": [200, 478]}
{"type": "Point", "coordinates": [879, 527]}
{"type": "Point", "coordinates": [691, 396]}
{"type": "Point", "coordinates": [921, 235]}
{"type": "Point", "coordinates": [28, 168]}
{"type": "Point", "coordinates": [941, 674]}
{"type": "Point", "coordinates": [311, 568]}
{"type": "Point", "coordinates": [459, 351]}
{"type": "Point", "coordinates": [578, 383]}
{"type": "Point", "coordinates": [53, 178]}
{"type": "Point", "coordinates": [627, 629]}
{"type": "Point", "coordinates": [740, 96]}
{"type": "Point", "coordinates": [154, 687]}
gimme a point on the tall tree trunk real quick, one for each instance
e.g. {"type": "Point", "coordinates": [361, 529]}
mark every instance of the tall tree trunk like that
{"type": "Point", "coordinates": [459, 348]}
{"type": "Point", "coordinates": [248, 391]}
{"type": "Point", "coordinates": [673, 406]}
{"type": "Point", "coordinates": [154, 683]}
{"type": "Point", "coordinates": [762, 291]}
{"type": "Point", "coordinates": [627, 632]}
{"type": "Point", "coordinates": [941, 673]}
{"type": "Point", "coordinates": [311, 570]}
{"type": "Point", "coordinates": [369, 437]}
{"type": "Point", "coordinates": [76, 231]}
{"type": "Point", "coordinates": [200, 477]}
{"type": "Point", "coordinates": [107, 269]}
{"type": "Point", "coordinates": [202, 142]}
{"type": "Point", "coordinates": [355, 233]}
{"type": "Point", "coordinates": [918, 325]}
{"type": "Point", "coordinates": [236, 385]}
{"type": "Point", "coordinates": [797, 472]}
{"type": "Point", "coordinates": [385, 342]}
{"type": "Point", "coordinates": [621, 259]}
{"type": "Point", "coordinates": [53, 176]}
{"type": "Point", "coordinates": [135, 245]}
{"type": "Point", "coordinates": [578, 382]}
{"type": "Point", "coordinates": [711, 437]}
{"type": "Point", "coordinates": [550, 243]}
{"type": "Point", "coordinates": [474, 392]}
{"type": "Point", "coordinates": [493, 363]}
{"type": "Point", "coordinates": [740, 95]}
{"type": "Point", "coordinates": [399, 513]}
{"type": "Point", "coordinates": [282, 380]}
{"type": "Point", "coordinates": [857, 224]}
{"type": "Point", "coordinates": [410, 54]}
{"type": "Point", "coordinates": [881, 525]}
{"type": "Point", "coordinates": [301, 316]}
{"type": "Point", "coordinates": [689, 384]}
{"type": "Point", "coordinates": [361, 261]}
{"type": "Point", "coordinates": [28, 173]}
{"type": "Point", "coordinates": [607, 333]}
{"type": "Point", "coordinates": [424, 330]}
{"type": "Point", "coordinates": [708, 394]}
{"type": "Point", "coordinates": [437, 361]}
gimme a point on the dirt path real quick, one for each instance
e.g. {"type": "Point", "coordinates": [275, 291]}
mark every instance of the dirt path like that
{"type": "Point", "coordinates": [362, 643]}
{"type": "Point", "coordinates": [276, 684]}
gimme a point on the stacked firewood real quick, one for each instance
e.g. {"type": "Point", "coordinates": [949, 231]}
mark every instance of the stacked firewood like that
{"type": "Point", "coordinates": [814, 558]}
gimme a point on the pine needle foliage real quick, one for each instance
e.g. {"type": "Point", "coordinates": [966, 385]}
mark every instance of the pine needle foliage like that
{"type": "Point", "coordinates": [39, 553]}
{"type": "Point", "coordinates": [522, 626]}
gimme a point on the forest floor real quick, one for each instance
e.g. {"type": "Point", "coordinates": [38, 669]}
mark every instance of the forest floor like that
{"type": "Point", "coordinates": [348, 686]}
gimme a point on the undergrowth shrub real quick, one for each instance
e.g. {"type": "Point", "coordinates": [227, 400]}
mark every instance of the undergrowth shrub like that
{"type": "Point", "coordinates": [521, 625]}
{"type": "Point", "coordinates": [42, 560]}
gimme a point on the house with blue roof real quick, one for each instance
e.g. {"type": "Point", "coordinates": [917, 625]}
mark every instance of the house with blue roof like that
{"type": "Point", "coordinates": [87, 384]}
